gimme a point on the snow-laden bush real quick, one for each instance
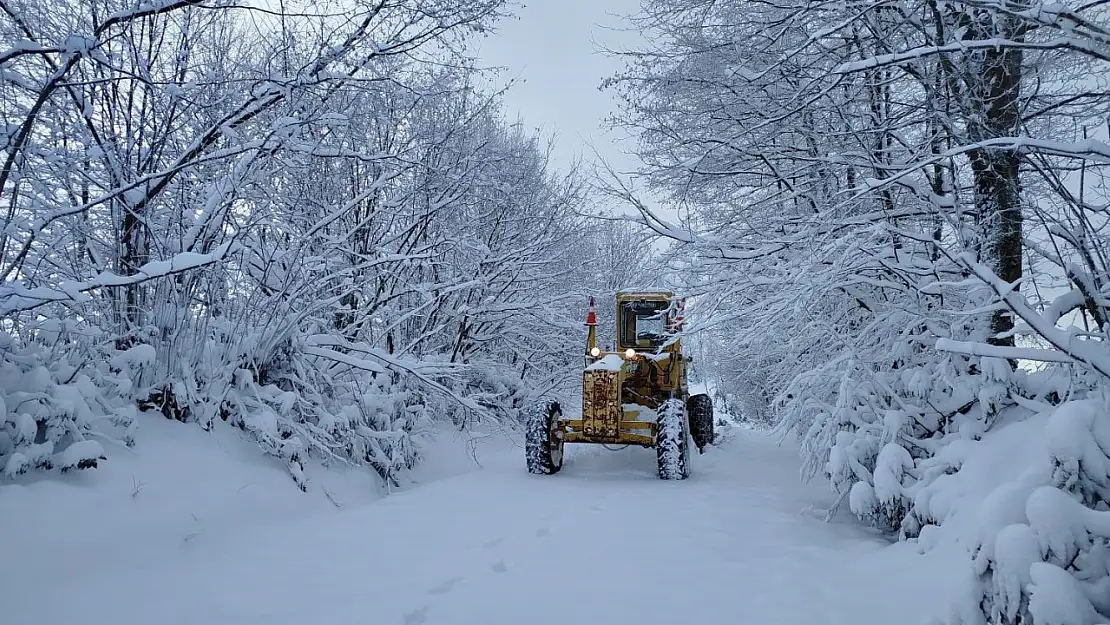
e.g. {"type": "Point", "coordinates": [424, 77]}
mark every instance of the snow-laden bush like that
{"type": "Point", "coordinates": [744, 399]}
{"type": "Point", "coordinates": [59, 398]}
{"type": "Point", "coordinates": [1041, 552]}
{"type": "Point", "coordinates": [497, 390]}
{"type": "Point", "coordinates": [276, 385]}
{"type": "Point", "coordinates": [873, 417]}
{"type": "Point", "coordinates": [881, 432]}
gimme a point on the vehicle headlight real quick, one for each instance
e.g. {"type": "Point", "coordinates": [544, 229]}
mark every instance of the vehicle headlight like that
{"type": "Point", "coordinates": [595, 352]}
{"type": "Point", "coordinates": [629, 354]}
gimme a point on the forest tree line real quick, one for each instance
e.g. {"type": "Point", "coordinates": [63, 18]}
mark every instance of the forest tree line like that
{"type": "Point", "coordinates": [310, 221]}
{"type": "Point", "coordinates": [893, 216]}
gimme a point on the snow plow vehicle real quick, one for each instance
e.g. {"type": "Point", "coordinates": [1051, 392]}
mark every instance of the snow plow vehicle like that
{"type": "Point", "coordinates": [637, 394]}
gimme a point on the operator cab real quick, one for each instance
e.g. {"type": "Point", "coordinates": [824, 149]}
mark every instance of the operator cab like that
{"type": "Point", "coordinates": [646, 321]}
{"type": "Point", "coordinates": [643, 324]}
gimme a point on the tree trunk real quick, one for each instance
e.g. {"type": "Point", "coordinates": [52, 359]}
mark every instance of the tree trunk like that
{"type": "Point", "coordinates": [994, 112]}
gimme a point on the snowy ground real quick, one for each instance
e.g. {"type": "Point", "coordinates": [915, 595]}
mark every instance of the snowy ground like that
{"type": "Point", "coordinates": [602, 542]}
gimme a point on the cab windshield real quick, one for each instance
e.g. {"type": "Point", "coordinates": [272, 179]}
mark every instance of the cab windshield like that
{"type": "Point", "coordinates": [643, 324]}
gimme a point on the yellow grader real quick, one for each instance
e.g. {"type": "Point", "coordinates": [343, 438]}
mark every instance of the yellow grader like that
{"type": "Point", "coordinates": [637, 394]}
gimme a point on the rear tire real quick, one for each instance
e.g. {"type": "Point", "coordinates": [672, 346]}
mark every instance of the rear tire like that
{"type": "Point", "coordinates": [672, 441]}
{"type": "Point", "coordinates": [543, 446]}
{"type": "Point", "coordinates": [700, 408]}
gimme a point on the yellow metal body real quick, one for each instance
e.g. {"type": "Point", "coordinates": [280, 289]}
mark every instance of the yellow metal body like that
{"type": "Point", "coordinates": [613, 398]}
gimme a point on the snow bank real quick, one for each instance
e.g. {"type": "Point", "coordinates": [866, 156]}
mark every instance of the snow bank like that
{"type": "Point", "coordinates": [1029, 502]}
{"type": "Point", "coordinates": [966, 472]}
{"type": "Point", "coordinates": [179, 487]}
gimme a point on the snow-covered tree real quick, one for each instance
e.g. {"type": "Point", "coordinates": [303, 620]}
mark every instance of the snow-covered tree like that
{"type": "Point", "coordinates": [312, 225]}
{"type": "Point", "coordinates": [867, 194]}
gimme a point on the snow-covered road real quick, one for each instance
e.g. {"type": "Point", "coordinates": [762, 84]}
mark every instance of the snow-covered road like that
{"type": "Point", "coordinates": [603, 542]}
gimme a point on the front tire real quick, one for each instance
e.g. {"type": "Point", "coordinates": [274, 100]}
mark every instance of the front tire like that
{"type": "Point", "coordinates": [700, 408]}
{"type": "Point", "coordinates": [672, 441]}
{"type": "Point", "coordinates": [543, 444]}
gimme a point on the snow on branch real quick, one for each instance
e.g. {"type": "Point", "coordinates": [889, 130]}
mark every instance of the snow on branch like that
{"type": "Point", "coordinates": [143, 10]}
{"type": "Point", "coordinates": [970, 348]}
{"type": "Point", "coordinates": [14, 297]}
{"type": "Point", "coordinates": [323, 346]}
{"type": "Point", "coordinates": [1092, 354]}
{"type": "Point", "coordinates": [620, 190]}
{"type": "Point", "coordinates": [921, 52]}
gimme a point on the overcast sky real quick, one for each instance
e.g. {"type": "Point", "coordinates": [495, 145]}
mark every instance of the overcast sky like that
{"type": "Point", "coordinates": [550, 46]}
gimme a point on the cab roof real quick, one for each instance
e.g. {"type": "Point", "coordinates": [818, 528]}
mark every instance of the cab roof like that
{"type": "Point", "coordinates": [645, 294]}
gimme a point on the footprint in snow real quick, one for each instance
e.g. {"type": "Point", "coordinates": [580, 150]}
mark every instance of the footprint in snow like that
{"type": "Point", "coordinates": [493, 543]}
{"type": "Point", "coordinates": [416, 617]}
{"type": "Point", "coordinates": [543, 531]}
{"type": "Point", "coordinates": [499, 567]}
{"type": "Point", "coordinates": [445, 587]}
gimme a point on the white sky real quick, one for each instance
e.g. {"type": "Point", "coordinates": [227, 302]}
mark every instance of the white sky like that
{"type": "Point", "coordinates": [549, 47]}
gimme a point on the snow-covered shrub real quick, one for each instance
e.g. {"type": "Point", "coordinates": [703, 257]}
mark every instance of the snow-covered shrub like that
{"type": "Point", "coordinates": [744, 399]}
{"type": "Point", "coordinates": [1042, 547]}
{"type": "Point", "coordinates": [873, 418]}
{"type": "Point", "coordinates": [294, 403]}
{"type": "Point", "coordinates": [59, 398]}
{"type": "Point", "coordinates": [499, 391]}
{"type": "Point", "coordinates": [388, 418]}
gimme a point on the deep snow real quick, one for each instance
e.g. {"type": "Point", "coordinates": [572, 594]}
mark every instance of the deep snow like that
{"type": "Point", "coordinates": [215, 535]}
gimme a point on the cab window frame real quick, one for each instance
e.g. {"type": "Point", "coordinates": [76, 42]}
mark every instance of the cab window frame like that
{"type": "Point", "coordinates": [631, 311]}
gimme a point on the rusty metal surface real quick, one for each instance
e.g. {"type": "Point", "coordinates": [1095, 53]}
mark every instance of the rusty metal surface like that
{"type": "Point", "coordinates": [626, 438]}
{"type": "Point", "coordinates": [576, 425]}
{"type": "Point", "coordinates": [601, 406]}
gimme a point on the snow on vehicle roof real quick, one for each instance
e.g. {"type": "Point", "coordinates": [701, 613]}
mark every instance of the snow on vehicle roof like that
{"type": "Point", "coordinates": [609, 362]}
